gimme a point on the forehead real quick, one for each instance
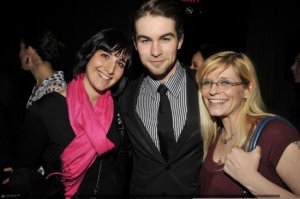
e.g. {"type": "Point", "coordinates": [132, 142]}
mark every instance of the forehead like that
{"type": "Point", "coordinates": [154, 26]}
{"type": "Point", "coordinates": [198, 56]}
{"type": "Point", "coordinates": [222, 72]}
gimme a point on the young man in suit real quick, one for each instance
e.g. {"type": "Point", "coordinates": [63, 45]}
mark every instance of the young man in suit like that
{"type": "Point", "coordinates": [158, 35]}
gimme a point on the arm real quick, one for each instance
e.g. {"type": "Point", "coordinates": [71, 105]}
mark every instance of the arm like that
{"type": "Point", "coordinates": [288, 167]}
{"type": "Point", "coordinates": [30, 145]}
{"type": "Point", "coordinates": [243, 167]}
{"type": "Point", "coordinates": [32, 141]}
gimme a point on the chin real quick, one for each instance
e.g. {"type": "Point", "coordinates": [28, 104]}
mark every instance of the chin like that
{"type": "Point", "coordinates": [216, 114]}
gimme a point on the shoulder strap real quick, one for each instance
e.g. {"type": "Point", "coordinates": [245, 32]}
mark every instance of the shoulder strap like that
{"type": "Point", "coordinates": [259, 128]}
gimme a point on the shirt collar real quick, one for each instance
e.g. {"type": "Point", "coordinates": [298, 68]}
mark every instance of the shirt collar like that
{"type": "Point", "coordinates": [173, 83]}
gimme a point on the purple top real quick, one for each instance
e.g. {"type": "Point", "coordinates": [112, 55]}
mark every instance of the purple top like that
{"type": "Point", "coordinates": [277, 135]}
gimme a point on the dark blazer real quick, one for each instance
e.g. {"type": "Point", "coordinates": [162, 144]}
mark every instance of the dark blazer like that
{"type": "Point", "coordinates": [151, 174]}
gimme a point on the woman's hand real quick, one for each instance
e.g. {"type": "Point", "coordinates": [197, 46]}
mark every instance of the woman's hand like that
{"type": "Point", "coordinates": [241, 165]}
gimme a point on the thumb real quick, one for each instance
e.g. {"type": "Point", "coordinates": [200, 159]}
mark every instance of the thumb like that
{"type": "Point", "coordinates": [256, 153]}
{"type": "Point", "coordinates": [255, 156]}
{"type": "Point", "coordinates": [257, 149]}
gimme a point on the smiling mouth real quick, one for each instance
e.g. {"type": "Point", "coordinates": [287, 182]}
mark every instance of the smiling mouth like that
{"type": "Point", "coordinates": [106, 77]}
{"type": "Point", "coordinates": [217, 101]}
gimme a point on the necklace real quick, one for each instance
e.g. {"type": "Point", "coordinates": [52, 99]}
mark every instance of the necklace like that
{"type": "Point", "coordinates": [224, 140]}
{"type": "Point", "coordinates": [221, 160]}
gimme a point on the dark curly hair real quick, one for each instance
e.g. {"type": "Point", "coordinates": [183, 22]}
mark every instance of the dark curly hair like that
{"type": "Point", "coordinates": [45, 42]}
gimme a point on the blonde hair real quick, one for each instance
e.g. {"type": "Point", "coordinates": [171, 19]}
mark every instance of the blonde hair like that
{"type": "Point", "coordinates": [253, 107]}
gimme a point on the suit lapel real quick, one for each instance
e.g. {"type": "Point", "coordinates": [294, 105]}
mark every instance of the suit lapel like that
{"type": "Point", "coordinates": [190, 133]}
{"type": "Point", "coordinates": [138, 131]}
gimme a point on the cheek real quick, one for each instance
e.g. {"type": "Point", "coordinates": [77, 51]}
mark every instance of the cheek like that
{"type": "Point", "coordinates": [119, 73]}
{"type": "Point", "coordinates": [89, 65]}
{"type": "Point", "coordinates": [241, 95]}
{"type": "Point", "coordinates": [143, 49]}
{"type": "Point", "coordinates": [206, 103]}
{"type": "Point", "coordinates": [205, 100]}
{"type": "Point", "coordinates": [238, 100]}
{"type": "Point", "coordinates": [171, 49]}
{"type": "Point", "coordinates": [21, 55]}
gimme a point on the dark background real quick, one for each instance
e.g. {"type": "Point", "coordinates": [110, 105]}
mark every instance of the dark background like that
{"type": "Point", "coordinates": [263, 29]}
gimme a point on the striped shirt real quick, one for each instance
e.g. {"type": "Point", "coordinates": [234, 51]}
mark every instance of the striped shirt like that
{"type": "Point", "coordinates": [148, 102]}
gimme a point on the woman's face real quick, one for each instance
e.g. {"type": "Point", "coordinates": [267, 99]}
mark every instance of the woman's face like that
{"type": "Point", "coordinates": [296, 69]}
{"type": "Point", "coordinates": [103, 71]}
{"type": "Point", "coordinates": [225, 98]}
{"type": "Point", "coordinates": [197, 60]}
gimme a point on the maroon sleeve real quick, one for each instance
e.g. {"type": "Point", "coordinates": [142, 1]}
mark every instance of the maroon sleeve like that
{"type": "Point", "coordinates": [276, 136]}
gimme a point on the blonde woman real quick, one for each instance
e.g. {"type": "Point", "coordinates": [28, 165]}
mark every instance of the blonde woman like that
{"type": "Point", "coordinates": [231, 106]}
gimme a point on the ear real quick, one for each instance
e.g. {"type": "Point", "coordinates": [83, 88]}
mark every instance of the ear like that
{"type": "Point", "coordinates": [134, 43]}
{"type": "Point", "coordinates": [33, 54]}
{"type": "Point", "coordinates": [28, 55]}
{"type": "Point", "coordinates": [180, 41]}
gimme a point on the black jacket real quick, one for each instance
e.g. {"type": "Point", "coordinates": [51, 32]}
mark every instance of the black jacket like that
{"type": "Point", "coordinates": [47, 131]}
{"type": "Point", "coordinates": [151, 174]}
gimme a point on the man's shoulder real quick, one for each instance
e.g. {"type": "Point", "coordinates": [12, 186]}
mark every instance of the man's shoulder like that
{"type": "Point", "coordinates": [191, 73]}
{"type": "Point", "coordinates": [131, 88]}
{"type": "Point", "coordinates": [134, 83]}
{"type": "Point", "coordinates": [190, 78]}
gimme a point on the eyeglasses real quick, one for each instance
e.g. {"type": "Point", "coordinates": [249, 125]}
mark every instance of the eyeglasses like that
{"type": "Point", "coordinates": [222, 84]}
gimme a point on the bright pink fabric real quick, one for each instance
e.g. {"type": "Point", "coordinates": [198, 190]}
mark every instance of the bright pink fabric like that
{"type": "Point", "coordinates": [91, 125]}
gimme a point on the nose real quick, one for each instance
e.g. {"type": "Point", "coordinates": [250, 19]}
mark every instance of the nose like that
{"type": "Point", "coordinates": [110, 67]}
{"type": "Point", "coordinates": [155, 49]}
{"type": "Point", "coordinates": [213, 89]}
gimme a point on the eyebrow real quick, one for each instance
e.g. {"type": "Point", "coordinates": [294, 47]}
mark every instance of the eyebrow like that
{"type": "Point", "coordinates": [123, 58]}
{"type": "Point", "coordinates": [162, 36]}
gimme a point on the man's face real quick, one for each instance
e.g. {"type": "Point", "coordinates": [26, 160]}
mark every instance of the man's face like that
{"type": "Point", "coordinates": [157, 43]}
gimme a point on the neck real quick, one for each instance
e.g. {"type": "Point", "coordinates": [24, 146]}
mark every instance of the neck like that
{"type": "Point", "coordinates": [228, 127]}
{"type": "Point", "coordinates": [225, 139]}
{"type": "Point", "coordinates": [229, 131]}
{"type": "Point", "coordinates": [91, 92]}
{"type": "Point", "coordinates": [42, 72]}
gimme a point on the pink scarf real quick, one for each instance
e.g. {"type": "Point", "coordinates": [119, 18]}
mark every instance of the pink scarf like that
{"type": "Point", "coordinates": [91, 126]}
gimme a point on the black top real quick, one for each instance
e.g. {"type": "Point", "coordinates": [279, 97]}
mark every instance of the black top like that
{"type": "Point", "coordinates": [47, 131]}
